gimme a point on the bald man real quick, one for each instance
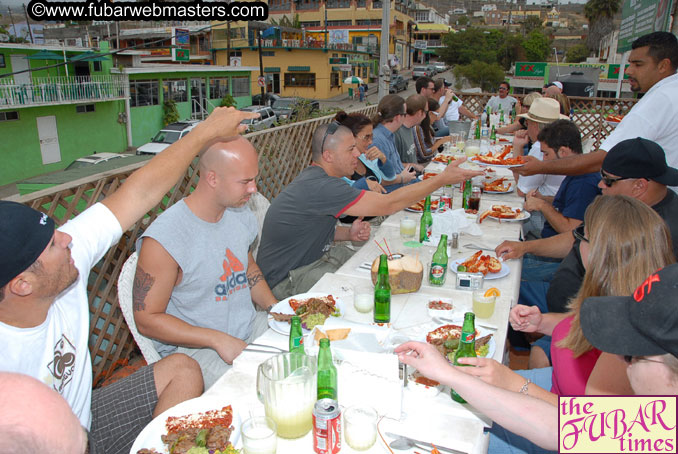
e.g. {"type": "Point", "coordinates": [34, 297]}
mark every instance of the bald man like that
{"type": "Point", "coordinates": [36, 419]}
{"type": "Point", "coordinates": [196, 277]}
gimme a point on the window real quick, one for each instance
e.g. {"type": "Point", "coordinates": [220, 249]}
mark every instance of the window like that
{"type": "Point", "coordinates": [2, 61]}
{"type": "Point", "coordinates": [9, 116]}
{"type": "Point", "coordinates": [267, 53]}
{"type": "Point", "coordinates": [96, 66]}
{"type": "Point", "coordinates": [143, 93]}
{"type": "Point", "coordinates": [368, 22]}
{"type": "Point", "coordinates": [334, 79]}
{"type": "Point", "coordinates": [315, 23]}
{"type": "Point", "coordinates": [240, 86]}
{"type": "Point", "coordinates": [300, 80]}
{"type": "Point", "coordinates": [331, 23]}
{"type": "Point", "coordinates": [84, 108]}
{"type": "Point", "coordinates": [218, 87]}
{"type": "Point", "coordinates": [174, 90]}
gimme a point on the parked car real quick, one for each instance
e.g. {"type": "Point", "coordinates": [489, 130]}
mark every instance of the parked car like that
{"type": "Point", "coordinates": [432, 68]}
{"type": "Point", "coordinates": [269, 98]}
{"type": "Point", "coordinates": [94, 159]}
{"type": "Point", "coordinates": [286, 108]}
{"type": "Point", "coordinates": [167, 136]}
{"type": "Point", "coordinates": [398, 83]}
{"type": "Point", "coordinates": [267, 118]}
{"type": "Point", "coordinates": [421, 71]}
{"type": "Point", "coordinates": [440, 66]}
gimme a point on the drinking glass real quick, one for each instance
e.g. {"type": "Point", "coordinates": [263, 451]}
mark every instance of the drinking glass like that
{"type": "Point", "coordinates": [474, 200]}
{"type": "Point", "coordinates": [483, 306]}
{"type": "Point", "coordinates": [364, 298]}
{"type": "Point", "coordinates": [408, 227]}
{"type": "Point", "coordinates": [360, 427]}
{"type": "Point", "coordinates": [259, 435]}
{"type": "Point", "coordinates": [472, 148]}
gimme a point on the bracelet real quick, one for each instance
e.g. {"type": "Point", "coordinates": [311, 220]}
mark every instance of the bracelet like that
{"type": "Point", "coordinates": [523, 389]}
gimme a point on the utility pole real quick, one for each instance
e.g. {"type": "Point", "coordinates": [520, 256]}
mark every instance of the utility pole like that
{"type": "Point", "coordinates": [261, 66]}
{"type": "Point", "coordinates": [11, 18]}
{"type": "Point", "coordinates": [384, 68]}
{"type": "Point", "coordinates": [30, 31]}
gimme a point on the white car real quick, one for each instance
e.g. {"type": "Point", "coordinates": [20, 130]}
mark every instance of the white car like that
{"type": "Point", "coordinates": [267, 118]}
{"type": "Point", "coordinates": [94, 159]}
{"type": "Point", "coordinates": [167, 136]}
{"type": "Point", "coordinates": [440, 66]}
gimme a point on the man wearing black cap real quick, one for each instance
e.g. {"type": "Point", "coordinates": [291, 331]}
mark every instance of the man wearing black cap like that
{"type": "Point", "coordinates": [44, 311]}
{"type": "Point", "coordinates": [652, 70]}
{"type": "Point", "coordinates": [643, 328]}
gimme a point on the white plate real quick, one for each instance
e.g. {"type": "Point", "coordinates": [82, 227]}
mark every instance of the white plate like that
{"type": "Point", "coordinates": [501, 166]}
{"type": "Point", "coordinates": [149, 438]}
{"type": "Point", "coordinates": [612, 124]}
{"type": "Point", "coordinates": [482, 331]}
{"type": "Point", "coordinates": [505, 270]}
{"type": "Point", "coordinates": [284, 307]}
{"type": "Point", "coordinates": [447, 313]}
{"type": "Point", "coordinates": [511, 189]}
{"type": "Point", "coordinates": [523, 216]}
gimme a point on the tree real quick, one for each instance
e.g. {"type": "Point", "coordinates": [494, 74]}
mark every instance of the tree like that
{"type": "Point", "coordinates": [600, 13]}
{"type": "Point", "coordinates": [531, 23]}
{"type": "Point", "coordinates": [578, 53]}
{"type": "Point", "coordinates": [472, 44]}
{"type": "Point", "coordinates": [485, 75]}
{"type": "Point", "coordinates": [536, 46]}
{"type": "Point", "coordinates": [510, 50]}
{"type": "Point", "coordinates": [463, 20]}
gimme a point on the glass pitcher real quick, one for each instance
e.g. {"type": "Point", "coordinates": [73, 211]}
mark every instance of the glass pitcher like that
{"type": "Point", "coordinates": [286, 385]}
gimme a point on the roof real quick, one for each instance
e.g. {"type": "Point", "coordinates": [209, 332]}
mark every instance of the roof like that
{"type": "Point", "coordinates": [38, 47]}
{"type": "Point", "coordinates": [436, 27]}
{"type": "Point", "coordinates": [179, 126]}
{"type": "Point", "coordinates": [173, 68]}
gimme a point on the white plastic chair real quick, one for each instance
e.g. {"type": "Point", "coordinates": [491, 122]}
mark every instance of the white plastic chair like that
{"type": "Point", "coordinates": [125, 283]}
{"type": "Point", "coordinates": [259, 206]}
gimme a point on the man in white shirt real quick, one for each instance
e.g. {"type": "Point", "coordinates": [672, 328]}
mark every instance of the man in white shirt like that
{"type": "Point", "coordinates": [44, 310]}
{"type": "Point", "coordinates": [502, 99]}
{"type": "Point", "coordinates": [652, 70]}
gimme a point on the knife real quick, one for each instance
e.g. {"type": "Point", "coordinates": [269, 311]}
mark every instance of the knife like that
{"type": "Point", "coordinates": [425, 444]}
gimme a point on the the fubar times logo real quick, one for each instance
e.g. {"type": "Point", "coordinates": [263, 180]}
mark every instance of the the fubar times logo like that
{"type": "Point", "coordinates": [617, 424]}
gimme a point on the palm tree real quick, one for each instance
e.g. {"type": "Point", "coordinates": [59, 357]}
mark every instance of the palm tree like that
{"type": "Point", "coordinates": [600, 13]}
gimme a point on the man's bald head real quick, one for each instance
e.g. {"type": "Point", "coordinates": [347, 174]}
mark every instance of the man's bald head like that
{"type": "Point", "coordinates": [219, 155]}
{"type": "Point", "coordinates": [331, 141]}
{"type": "Point", "coordinates": [36, 419]}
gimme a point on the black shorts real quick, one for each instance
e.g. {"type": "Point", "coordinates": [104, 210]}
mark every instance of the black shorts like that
{"type": "Point", "coordinates": [120, 411]}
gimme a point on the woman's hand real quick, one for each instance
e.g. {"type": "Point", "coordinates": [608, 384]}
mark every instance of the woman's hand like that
{"type": "Point", "coordinates": [375, 153]}
{"type": "Point", "coordinates": [492, 372]}
{"type": "Point", "coordinates": [426, 359]}
{"type": "Point", "coordinates": [525, 318]}
{"type": "Point", "coordinates": [376, 187]}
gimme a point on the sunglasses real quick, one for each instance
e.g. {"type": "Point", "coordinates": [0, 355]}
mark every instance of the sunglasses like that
{"type": "Point", "coordinates": [434, 112]}
{"type": "Point", "coordinates": [579, 234]}
{"type": "Point", "coordinates": [629, 359]}
{"type": "Point", "coordinates": [331, 129]}
{"type": "Point", "coordinates": [366, 137]}
{"type": "Point", "coordinates": [608, 180]}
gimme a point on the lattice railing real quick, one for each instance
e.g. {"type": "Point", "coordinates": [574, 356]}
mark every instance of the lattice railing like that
{"type": "Point", "coordinates": [284, 152]}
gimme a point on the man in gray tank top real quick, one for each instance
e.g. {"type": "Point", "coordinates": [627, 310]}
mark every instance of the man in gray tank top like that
{"type": "Point", "coordinates": [196, 277]}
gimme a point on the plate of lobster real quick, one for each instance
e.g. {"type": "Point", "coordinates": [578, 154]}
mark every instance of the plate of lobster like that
{"type": "Point", "coordinates": [499, 159]}
{"type": "Point", "coordinates": [504, 213]}
{"type": "Point", "coordinates": [498, 186]}
{"type": "Point", "coordinates": [490, 266]}
{"type": "Point", "coordinates": [419, 206]}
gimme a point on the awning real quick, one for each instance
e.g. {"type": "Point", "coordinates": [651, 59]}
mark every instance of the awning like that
{"type": "Point", "coordinates": [298, 68]}
{"type": "Point", "coordinates": [272, 69]}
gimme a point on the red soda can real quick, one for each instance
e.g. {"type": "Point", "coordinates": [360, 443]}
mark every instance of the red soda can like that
{"type": "Point", "coordinates": [446, 201]}
{"type": "Point", "coordinates": [326, 427]}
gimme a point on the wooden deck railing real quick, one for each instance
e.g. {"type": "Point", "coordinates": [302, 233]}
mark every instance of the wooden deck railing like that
{"type": "Point", "coordinates": [283, 152]}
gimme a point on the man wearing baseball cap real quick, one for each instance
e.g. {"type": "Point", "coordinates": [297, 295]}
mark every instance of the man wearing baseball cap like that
{"type": "Point", "coordinates": [44, 311]}
{"type": "Point", "coordinates": [643, 328]}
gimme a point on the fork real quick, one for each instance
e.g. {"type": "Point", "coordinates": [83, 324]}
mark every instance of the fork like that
{"type": "Point", "coordinates": [478, 246]}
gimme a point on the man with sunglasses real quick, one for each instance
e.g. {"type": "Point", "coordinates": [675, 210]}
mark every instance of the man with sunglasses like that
{"type": "Point", "coordinates": [502, 99]}
{"type": "Point", "coordinates": [652, 70]}
{"type": "Point", "coordinates": [300, 229]}
{"type": "Point", "coordinates": [635, 168]}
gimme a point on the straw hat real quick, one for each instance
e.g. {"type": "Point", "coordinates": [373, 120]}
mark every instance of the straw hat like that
{"type": "Point", "coordinates": [544, 110]}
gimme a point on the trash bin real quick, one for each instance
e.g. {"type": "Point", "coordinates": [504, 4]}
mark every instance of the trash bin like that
{"type": "Point", "coordinates": [350, 92]}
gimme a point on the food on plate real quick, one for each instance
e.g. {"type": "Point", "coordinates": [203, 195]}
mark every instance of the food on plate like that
{"type": "Point", "coordinates": [443, 158]}
{"type": "Point", "coordinates": [404, 274]}
{"type": "Point", "coordinates": [418, 378]}
{"type": "Point", "coordinates": [500, 158]}
{"type": "Point", "coordinates": [446, 339]}
{"type": "Point", "coordinates": [493, 291]}
{"type": "Point", "coordinates": [428, 175]}
{"type": "Point", "coordinates": [498, 185]}
{"type": "Point", "coordinates": [207, 432]}
{"type": "Point", "coordinates": [313, 311]}
{"type": "Point", "coordinates": [501, 139]}
{"type": "Point", "coordinates": [439, 305]}
{"type": "Point", "coordinates": [501, 212]}
{"type": "Point", "coordinates": [614, 118]}
{"type": "Point", "coordinates": [479, 263]}
{"type": "Point", "coordinates": [419, 206]}
{"type": "Point", "coordinates": [332, 334]}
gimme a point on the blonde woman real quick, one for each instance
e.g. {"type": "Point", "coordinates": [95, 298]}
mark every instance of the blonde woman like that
{"type": "Point", "coordinates": [522, 108]}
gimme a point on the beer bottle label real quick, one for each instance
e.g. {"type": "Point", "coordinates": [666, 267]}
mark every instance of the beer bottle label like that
{"type": "Point", "coordinates": [437, 271]}
{"type": "Point", "coordinates": [298, 341]}
{"type": "Point", "coordinates": [467, 337]}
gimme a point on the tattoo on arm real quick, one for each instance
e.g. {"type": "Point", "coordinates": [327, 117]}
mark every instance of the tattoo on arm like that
{"type": "Point", "coordinates": [143, 282]}
{"type": "Point", "coordinates": [254, 278]}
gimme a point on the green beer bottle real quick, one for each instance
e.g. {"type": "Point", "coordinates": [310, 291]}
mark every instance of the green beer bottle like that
{"type": "Point", "coordinates": [513, 113]}
{"type": "Point", "coordinates": [493, 136]}
{"type": "Point", "coordinates": [468, 189]}
{"type": "Point", "coordinates": [467, 346]}
{"type": "Point", "coordinates": [382, 293]}
{"type": "Point", "coordinates": [426, 223]}
{"type": "Point", "coordinates": [501, 115]}
{"type": "Point", "coordinates": [327, 373]}
{"type": "Point", "coordinates": [489, 115]}
{"type": "Point", "coordinates": [477, 133]}
{"type": "Point", "coordinates": [438, 270]}
{"type": "Point", "coordinates": [296, 336]}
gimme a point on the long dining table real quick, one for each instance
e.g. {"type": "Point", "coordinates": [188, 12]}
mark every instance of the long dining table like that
{"type": "Point", "coordinates": [420, 412]}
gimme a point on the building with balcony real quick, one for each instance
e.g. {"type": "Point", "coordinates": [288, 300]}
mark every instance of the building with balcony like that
{"type": "Point", "coordinates": [295, 62]}
{"type": "Point", "coordinates": [427, 38]}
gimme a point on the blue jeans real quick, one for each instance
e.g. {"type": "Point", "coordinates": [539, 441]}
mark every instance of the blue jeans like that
{"type": "Point", "coordinates": [537, 268]}
{"type": "Point", "coordinates": [533, 293]}
{"type": "Point", "coordinates": [504, 442]}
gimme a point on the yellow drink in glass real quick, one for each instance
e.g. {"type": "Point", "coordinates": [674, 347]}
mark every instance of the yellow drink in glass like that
{"type": "Point", "coordinates": [483, 306]}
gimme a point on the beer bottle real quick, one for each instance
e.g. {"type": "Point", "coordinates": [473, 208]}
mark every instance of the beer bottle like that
{"type": "Point", "coordinates": [477, 133]}
{"type": "Point", "coordinates": [426, 224]}
{"type": "Point", "coordinates": [493, 136]}
{"type": "Point", "coordinates": [382, 293]}
{"type": "Point", "coordinates": [296, 336]}
{"type": "Point", "coordinates": [501, 116]}
{"type": "Point", "coordinates": [438, 270]}
{"type": "Point", "coordinates": [513, 112]}
{"type": "Point", "coordinates": [467, 347]}
{"type": "Point", "coordinates": [489, 115]}
{"type": "Point", "coordinates": [327, 373]}
{"type": "Point", "coordinates": [468, 189]}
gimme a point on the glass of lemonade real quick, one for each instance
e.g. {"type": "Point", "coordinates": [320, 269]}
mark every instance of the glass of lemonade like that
{"type": "Point", "coordinates": [483, 306]}
{"type": "Point", "coordinates": [461, 141]}
{"type": "Point", "coordinates": [360, 427]}
{"type": "Point", "coordinates": [408, 227]}
{"type": "Point", "coordinates": [259, 435]}
{"type": "Point", "coordinates": [472, 148]}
